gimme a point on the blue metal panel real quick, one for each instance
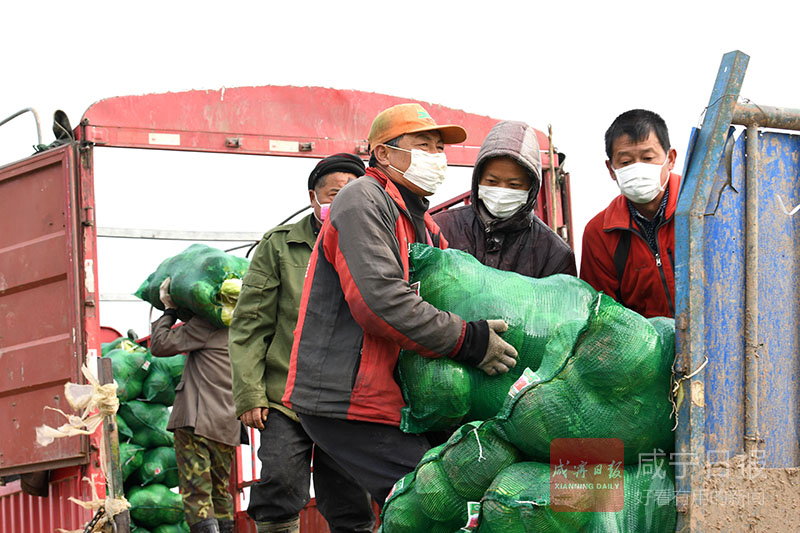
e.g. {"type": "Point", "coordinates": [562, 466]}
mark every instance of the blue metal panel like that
{"type": "Point", "coordinates": [779, 304]}
{"type": "Point", "coordinates": [779, 300]}
{"type": "Point", "coordinates": [696, 189]}
{"type": "Point", "coordinates": [724, 251]}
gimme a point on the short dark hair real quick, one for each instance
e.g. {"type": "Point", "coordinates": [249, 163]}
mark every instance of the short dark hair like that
{"type": "Point", "coordinates": [393, 142]}
{"type": "Point", "coordinates": [637, 124]}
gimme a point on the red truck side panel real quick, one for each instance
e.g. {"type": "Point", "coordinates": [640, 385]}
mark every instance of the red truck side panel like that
{"type": "Point", "coordinates": [275, 120]}
{"type": "Point", "coordinates": [23, 513]}
{"type": "Point", "coordinates": [40, 309]}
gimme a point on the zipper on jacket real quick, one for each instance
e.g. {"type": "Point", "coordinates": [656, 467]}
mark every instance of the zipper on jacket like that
{"type": "Point", "coordinates": [661, 271]}
{"type": "Point", "coordinates": [659, 263]}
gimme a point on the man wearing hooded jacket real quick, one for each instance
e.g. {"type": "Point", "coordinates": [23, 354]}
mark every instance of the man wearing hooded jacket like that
{"type": "Point", "coordinates": [358, 310]}
{"type": "Point", "coordinates": [499, 227]}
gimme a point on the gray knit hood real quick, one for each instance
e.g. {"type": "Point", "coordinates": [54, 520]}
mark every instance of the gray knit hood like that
{"type": "Point", "coordinates": [517, 141]}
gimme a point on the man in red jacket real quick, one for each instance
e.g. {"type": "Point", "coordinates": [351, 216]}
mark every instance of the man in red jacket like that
{"type": "Point", "coordinates": [629, 247]}
{"type": "Point", "coordinates": [358, 310]}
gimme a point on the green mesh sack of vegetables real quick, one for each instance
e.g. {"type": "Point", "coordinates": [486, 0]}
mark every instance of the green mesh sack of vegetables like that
{"type": "Point", "coordinates": [614, 382]}
{"type": "Point", "coordinates": [124, 430]}
{"type": "Point", "coordinates": [155, 505]}
{"type": "Point", "coordinates": [136, 528]}
{"type": "Point", "coordinates": [204, 280]}
{"type": "Point", "coordinates": [148, 422]}
{"type": "Point", "coordinates": [121, 343]}
{"type": "Point", "coordinates": [130, 370]}
{"type": "Point", "coordinates": [131, 457]}
{"type": "Point", "coordinates": [180, 527]}
{"type": "Point", "coordinates": [402, 512]}
{"type": "Point", "coordinates": [159, 465]}
{"type": "Point", "coordinates": [447, 478]}
{"type": "Point", "coordinates": [441, 393]}
{"type": "Point", "coordinates": [165, 373]}
{"type": "Point", "coordinates": [519, 501]}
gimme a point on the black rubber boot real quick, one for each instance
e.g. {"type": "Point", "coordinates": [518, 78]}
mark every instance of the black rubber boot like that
{"type": "Point", "coordinates": [225, 526]}
{"type": "Point", "coordinates": [209, 525]}
{"type": "Point", "coordinates": [285, 526]}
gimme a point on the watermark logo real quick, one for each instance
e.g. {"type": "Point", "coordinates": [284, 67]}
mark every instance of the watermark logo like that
{"type": "Point", "coordinates": [586, 475]}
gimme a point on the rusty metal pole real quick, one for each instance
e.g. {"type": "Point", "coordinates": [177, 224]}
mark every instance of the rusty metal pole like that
{"type": "Point", "coordinates": [553, 180]}
{"type": "Point", "coordinates": [767, 116]}
{"type": "Point", "coordinates": [113, 464]}
{"type": "Point", "coordinates": [751, 376]}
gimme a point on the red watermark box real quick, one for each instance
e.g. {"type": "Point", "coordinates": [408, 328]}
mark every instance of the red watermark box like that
{"type": "Point", "coordinates": [587, 475]}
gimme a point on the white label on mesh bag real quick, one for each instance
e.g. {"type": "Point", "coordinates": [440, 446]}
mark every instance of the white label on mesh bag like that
{"type": "Point", "coordinates": [524, 380]}
{"type": "Point", "coordinates": [473, 511]}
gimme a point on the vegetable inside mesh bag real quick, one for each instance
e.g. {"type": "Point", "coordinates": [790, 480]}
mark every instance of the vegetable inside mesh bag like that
{"type": "Point", "coordinates": [131, 457]}
{"type": "Point", "coordinates": [154, 505]}
{"type": "Point", "coordinates": [204, 280]}
{"type": "Point", "coordinates": [180, 527]}
{"type": "Point", "coordinates": [148, 423]}
{"type": "Point", "coordinates": [159, 465]}
{"type": "Point", "coordinates": [121, 343]}
{"type": "Point", "coordinates": [441, 393]}
{"type": "Point", "coordinates": [519, 501]}
{"type": "Point", "coordinates": [164, 375]}
{"type": "Point", "coordinates": [124, 430]}
{"type": "Point", "coordinates": [434, 497]}
{"type": "Point", "coordinates": [130, 369]}
{"type": "Point", "coordinates": [614, 382]}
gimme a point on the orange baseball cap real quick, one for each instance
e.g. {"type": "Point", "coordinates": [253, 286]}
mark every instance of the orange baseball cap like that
{"type": "Point", "coordinates": [410, 118]}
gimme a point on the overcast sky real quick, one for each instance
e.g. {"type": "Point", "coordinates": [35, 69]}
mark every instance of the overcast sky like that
{"type": "Point", "coordinates": [575, 65]}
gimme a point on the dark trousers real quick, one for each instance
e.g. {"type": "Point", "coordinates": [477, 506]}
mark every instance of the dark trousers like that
{"type": "Point", "coordinates": [285, 455]}
{"type": "Point", "coordinates": [376, 455]}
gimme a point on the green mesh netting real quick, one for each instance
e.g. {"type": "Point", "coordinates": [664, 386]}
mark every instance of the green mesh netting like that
{"type": "Point", "coordinates": [130, 369]}
{"type": "Point", "coordinates": [435, 495]}
{"type": "Point", "coordinates": [121, 343]}
{"type": "Point", "coordinates": [124, 430]}
{"type": "Point", "coordinates": [402, 512]}
{"type": "Point", "coordinates": [442, 394]}
{"type": "Point", "coordinates": [601, 370]}
{"type": "Point", "coordinates": [519, 501]}
{"type": "Point", "coordinates": [148, 423]}
{"type": "Point", "coordinates": [136, 528]}
{"type": "Point", "coordinates": [159, 465]}
{"type": "Point", "coordinates": [180, 527]}
{"type": "Point", "coordinates": [131, 457]}
{"type": "Point", "coordinates": [164, 375]}
{"type": "Point", "coordinates": [155, 505]}
{"type": "Point", "coordinates": [614, 382]}
{"type": "Point", "coordinates": [204, 280]}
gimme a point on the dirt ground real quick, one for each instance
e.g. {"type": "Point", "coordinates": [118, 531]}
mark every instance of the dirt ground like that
{"type": "Point", "coordinates": [740, 495]}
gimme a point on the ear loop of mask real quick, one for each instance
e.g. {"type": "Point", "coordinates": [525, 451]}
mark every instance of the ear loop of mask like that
{"type": "Point", "coordinates": [402, 173]}
{"type": "Point", "coordinates": [324, 209]}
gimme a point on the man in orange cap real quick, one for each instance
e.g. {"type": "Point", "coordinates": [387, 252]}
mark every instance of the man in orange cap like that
{"type": "Point", "coordinates": [358, 311]}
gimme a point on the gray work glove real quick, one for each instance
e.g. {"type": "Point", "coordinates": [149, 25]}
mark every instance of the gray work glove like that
{"type": "Point", "coordinates": [500, 356]}
{"type": "Point", "coordinates": [163, 295]}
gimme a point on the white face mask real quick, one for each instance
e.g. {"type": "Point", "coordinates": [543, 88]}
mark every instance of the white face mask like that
{"type": "Point", "coordinates": [427, 171]}
{"type": "Point", "coordinates": [502, 202]}
{"type": "Point", "coordinates": [640, 182]}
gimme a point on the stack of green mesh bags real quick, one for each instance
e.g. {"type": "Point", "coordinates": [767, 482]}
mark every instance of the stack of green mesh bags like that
{"type": "Point", "coordinates": [204, 281]}
{"type": "Point", "coordinates": [146, 389]}
{"type": "Point", "coordinates": [588, 369]}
